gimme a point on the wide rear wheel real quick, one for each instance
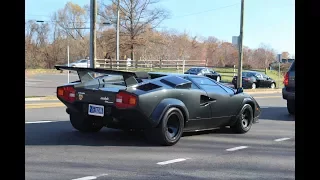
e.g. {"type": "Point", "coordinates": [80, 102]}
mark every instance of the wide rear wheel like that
{"type": "Point", "coordinates": [170, 128]}
{"type": "Point", "coordinates": [85, 123]}
{"type": "Point", "coordinates": [244, 120]}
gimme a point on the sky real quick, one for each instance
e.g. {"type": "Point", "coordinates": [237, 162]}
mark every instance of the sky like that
{"type": "Point", "coordinates": [271, 22]}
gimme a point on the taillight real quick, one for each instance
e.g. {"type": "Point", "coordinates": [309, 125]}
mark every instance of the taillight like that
{"type": "Point", "coordinates": [286, 79]}
{"type": "Point", "coordinates": [125, 100]}
{"type": "Point", "coordinates": [67, 93]}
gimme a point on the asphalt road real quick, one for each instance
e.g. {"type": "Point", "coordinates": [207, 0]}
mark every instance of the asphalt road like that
{"type": "Point", "coordinates": [54, 150]}
{"type": "Point", "coordinates": [46, 84]}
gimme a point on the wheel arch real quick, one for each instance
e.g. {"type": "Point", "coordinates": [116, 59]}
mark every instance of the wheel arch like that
{"type": "Point", "coordinates": [166, 104]}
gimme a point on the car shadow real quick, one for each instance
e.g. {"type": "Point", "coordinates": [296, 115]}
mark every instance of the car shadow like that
{"type": "Point", "coordinates": [62, 133]}
{"type": "Point", "coordinates": [276, 114]}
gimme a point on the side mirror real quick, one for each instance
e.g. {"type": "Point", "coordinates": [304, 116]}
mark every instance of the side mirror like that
{"type": "Point", "coordinates": [239, 90]}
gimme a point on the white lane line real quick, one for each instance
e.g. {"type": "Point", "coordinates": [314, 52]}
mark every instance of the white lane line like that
{"type": "Point", "coordinates": [90, 177]}
{"type": "Point", "coordinates": [281, 139]}
{"type": "Point", "coordinates": [172, 161]}
{"type": "Point", "coordinates": [34, 122]}
{"type": "Point", "coordinates": [86, 178]}
{"type": "Point", "coordinates": [237, 148]}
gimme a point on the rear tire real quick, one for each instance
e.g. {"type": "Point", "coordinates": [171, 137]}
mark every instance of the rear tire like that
{"type": "Point", "coordinates": [291, 106]}
{"type": "Point", "coordinates": [170, 129]}
{"type": "Point", "coordinates": [85, 124]}
{"type": "Point", "coordinates": [244, 120]}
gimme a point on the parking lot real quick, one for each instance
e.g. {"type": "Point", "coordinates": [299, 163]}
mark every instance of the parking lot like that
{"type": "Point", "coordinates": [54, 150]}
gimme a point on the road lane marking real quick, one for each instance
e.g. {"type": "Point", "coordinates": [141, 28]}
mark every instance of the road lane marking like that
{"type": "Point", "coordinates": [172, 161]}
{"type": "Point", "coordinates": [90, 177]}
{"type": "Point", "coordinates": [281, 139]}
{"type": "Point", "coordinates": [34, 122]}
{"type": "Point", "coordinates": [237, 148]}
{"type": "Point", "coordinates": [86, 178]}
{"type": "Point", "coordinates": [263, 97]}
{"type": "Point", "coordinates": [43, 105]}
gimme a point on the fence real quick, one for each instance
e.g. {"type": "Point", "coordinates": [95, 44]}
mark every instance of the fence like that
{"type": "Point", "coordinates": [150, 65]}
{"type": "Point", "coordinates": [177, 66]}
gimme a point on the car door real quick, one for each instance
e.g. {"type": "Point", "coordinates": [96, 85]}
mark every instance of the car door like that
{"type": "Point", "coordinates": [260, 80]}
{"type": "Point", "coordinates": [217, 98]}
{"type": "Point", "coordinates": [267, 80]}
{"type": "Point", "coordinates": [199, 110]}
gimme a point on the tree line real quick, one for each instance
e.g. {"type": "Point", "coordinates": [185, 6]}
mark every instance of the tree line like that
{"type": "Point", "coordinates": [46, 41]}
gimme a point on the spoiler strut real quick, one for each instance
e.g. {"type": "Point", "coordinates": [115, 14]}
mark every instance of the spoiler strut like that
{"type": "Point", "coordinates": [130, 78]}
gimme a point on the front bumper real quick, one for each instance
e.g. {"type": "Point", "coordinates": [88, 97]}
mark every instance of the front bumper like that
{"type": "Point", "coordinates": [287, 95]}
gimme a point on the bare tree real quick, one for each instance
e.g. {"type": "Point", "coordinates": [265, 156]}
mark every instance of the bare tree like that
{"type": "Point", "coordinates": [136, 16]}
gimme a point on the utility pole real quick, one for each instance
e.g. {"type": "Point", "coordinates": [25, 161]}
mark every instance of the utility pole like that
{"type": "Point", "coordinates": [93, 16]}
{"type": "Point", "coordinates": [118, 30]}
{"type": "Point", "coordinates": [239, 79]}
{"type": "Point", "coordinates": [68, 57]}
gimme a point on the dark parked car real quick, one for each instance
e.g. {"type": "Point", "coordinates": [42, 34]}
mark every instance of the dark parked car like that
{"type": "Point", "coordinates": [254, 79]}
{"type": "Point", "coordinates": [288, 92]}
{"type": "Point", "coordinates": [160, 104]}
{"type": "Point", "coordinates": [203, 71]}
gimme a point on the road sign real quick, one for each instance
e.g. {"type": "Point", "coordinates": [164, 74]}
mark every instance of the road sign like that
{"type": "Point", "coordinates": [279, 57]}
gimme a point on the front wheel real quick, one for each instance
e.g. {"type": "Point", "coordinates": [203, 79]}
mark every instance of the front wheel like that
{"type": "Point", "coordinates": [85, 124]}
{"type": "Point", "coordinates": [244, 120]}
{"type": "Point", "coordinates": [273, 85]}
{"type": "Point", "coordinates": [170, 128]}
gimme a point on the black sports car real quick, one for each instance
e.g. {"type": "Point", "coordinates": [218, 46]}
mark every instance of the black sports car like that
{"type": "Point", "coordinates": [203, 71]}
{"type": "Point", "coordinates": [163, 105]}
{"type": "Point", "coordinates": [254, 79]}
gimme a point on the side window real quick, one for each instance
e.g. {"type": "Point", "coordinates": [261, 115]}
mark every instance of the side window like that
{"type": "Point", "coordinates": [193, 86]}
{"type": "Point", "coordinates": [264, 76]}
{"type": "Point", "coordinates": [258, 75]}
{"type": "Point", "coordinates": [83, 61]}
{"type": "Point", "coordinates": [203, 81]}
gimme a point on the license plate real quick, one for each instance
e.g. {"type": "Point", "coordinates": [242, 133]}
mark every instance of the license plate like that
{"type": "Point", "coordinates": [96, 110]}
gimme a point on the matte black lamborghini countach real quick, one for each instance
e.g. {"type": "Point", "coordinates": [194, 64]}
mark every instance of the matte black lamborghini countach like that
{"type": "Point", "coordinates": [162, 105]}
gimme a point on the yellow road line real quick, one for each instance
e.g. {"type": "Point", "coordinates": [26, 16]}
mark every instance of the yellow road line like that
{"type": "Point", "coordinates": [43, 105]}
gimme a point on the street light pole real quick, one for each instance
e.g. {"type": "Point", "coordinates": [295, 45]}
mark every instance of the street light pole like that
{"type": "Point", "coordinates": [93, 14]}
{"type": "Point", "coordinates": [239, 79]}
{"type": "Point", "coordinates": [118, 29]}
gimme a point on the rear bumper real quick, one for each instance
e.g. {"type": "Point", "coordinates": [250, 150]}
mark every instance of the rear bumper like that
{"type": "Point", "coordinates": [116, 118]}
{"type": "Point", "coordinates": [287, 95]}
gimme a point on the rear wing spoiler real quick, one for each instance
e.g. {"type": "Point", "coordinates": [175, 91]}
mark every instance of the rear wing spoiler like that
{"type": "Point", "coordinates": [85, 74]}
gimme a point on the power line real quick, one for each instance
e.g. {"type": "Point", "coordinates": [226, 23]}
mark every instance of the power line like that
{"type": "Point", "coordinates": [207, 11]}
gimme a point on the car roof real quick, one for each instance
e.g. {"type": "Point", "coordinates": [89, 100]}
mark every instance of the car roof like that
{"type": "Point", "coordinates": [257, 72]}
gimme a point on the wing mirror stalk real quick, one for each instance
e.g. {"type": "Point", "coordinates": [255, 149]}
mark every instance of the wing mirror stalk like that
{"type": "Point", "coordinates": [239, 90]}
